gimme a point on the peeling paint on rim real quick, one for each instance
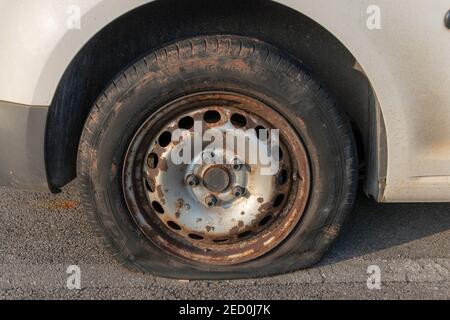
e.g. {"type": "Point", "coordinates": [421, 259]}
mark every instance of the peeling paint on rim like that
{"type": "Point", "coordinates": [226, 236]}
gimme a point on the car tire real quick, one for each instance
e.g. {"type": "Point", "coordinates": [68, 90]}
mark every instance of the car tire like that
{"type": "Point", "coordinates": [243, 67]}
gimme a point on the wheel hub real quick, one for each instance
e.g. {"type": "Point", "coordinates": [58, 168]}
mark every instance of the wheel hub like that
{"type": "Point", "coordinates": [217, 179]}
{"type": "Point", "coordinates": [218, 208]}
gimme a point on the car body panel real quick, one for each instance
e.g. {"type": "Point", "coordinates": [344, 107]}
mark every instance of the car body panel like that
{"type": "Point", "coordinates": [406, 62]}
{"type": "Point", "coordinates": [22, 132]}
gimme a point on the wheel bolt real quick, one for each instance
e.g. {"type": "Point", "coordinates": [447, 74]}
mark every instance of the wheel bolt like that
{"type": "Point", "coordinates": [192, 180]}
{"type": "Point", "coordinates": [237, 165]}
{"type": "Point", "coordinates": [238, 191]}
{"type": "Point", "coordinates": [211, 201]}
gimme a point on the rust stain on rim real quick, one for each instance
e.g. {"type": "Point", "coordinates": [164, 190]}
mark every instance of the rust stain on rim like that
{"type": "Point", "coordinates": [194, 246]}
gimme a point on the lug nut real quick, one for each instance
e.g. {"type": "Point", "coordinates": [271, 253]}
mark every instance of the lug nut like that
{"type": "Point", "coordinates": [238, 191]}
{"type": "Point", "coordinates": [237, 165]}
{"type": "Point", "coordinates": [192, 180]}
{"type": "Point", "coordinates": [211, 201]}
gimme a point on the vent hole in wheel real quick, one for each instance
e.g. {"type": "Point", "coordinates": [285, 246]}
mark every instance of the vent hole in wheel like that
{"type": "Point", "coordinates": [186, 123]}
{"type": "Point", "coordinates": [265, 220]}
{"type": "Point", "coordinates": [164, 139]}
{"type": "Point", "coordinates": [157, 207]}
{"type": "Point", "coordinates": [278, 201]}
{"type": "Point", "coordinates": [152, 161]}
{"type": "Point", "coordinates": [195, 236]}
{"type": "Point", "coordinates": [282, 177]}
{"type": "Point", "coordinates": [244, 234]}
{"type": "Point", "coordinates": [262, 133]}
{"type": "Point", "coordinates": [280, 155]}
{"type": "Point", "coordinates": [174, 226]}
{"type": "Point", "coordinates": [277, 153]}
{"type": "Point", "coordinates": [220, 240]}
{"type": "Point", "coordinates": [238, 120]}
{"type": "Point", "coordinates": [149, 185]}
{"type": "Point", "coordinates": [212, 116]}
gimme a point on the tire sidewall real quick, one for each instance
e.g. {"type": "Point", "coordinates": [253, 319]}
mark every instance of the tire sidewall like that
{"type": "Point", "coordinates": [324, 132]}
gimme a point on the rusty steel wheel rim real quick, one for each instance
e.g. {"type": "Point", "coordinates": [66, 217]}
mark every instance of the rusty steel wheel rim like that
{"type": "Point", "coordinates": [221, 214]}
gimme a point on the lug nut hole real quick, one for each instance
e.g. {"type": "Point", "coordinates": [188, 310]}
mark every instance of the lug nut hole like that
{"type": "Point", "coordinates": [186, 123]}
{"type": "Point", "coordinates": [195, 236]}
{"type": "Point", "coordinates": [238, 120]}
{"type": "Point", "coordinates": [165, 138]}
{"type": "Point", "coordinates": [174, 226]}
{"type": "Point", "coordinates": [265, 220]}
{"type": "Point", "coordinates": [212, 116]}
{"type": "Point", "coordinates": [152, 161]}
{"type": "Point", "coordinates": [262, 133]}
{"type": "Point", "coordinates": [282, 177]}
{"type": "Point", "coordinates": [220, 240]}
{"type": "Point", "coordinates": [277, 153]}
{"type": "Point", "coordinates": [244, 234]}
{"type": "Point", "coordinates": [278, 200]}
{"type": "Point", "coordinates": [149, 185]}
{"type": "Point", "coordinates": [157, 207]}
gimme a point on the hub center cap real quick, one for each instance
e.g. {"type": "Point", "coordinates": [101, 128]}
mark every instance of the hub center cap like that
{"type": "Point", "coordinates": [217, 179]}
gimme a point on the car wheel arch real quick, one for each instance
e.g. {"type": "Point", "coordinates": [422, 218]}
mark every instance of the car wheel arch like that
{"type": "Point", "coordinates": [132, 35]}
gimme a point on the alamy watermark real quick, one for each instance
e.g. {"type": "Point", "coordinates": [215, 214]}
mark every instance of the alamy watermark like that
{"type": "Point", "coordinates": [374, 19]}
{"type": "Point", "coordinates": [73, 21]}
{"type": "Point", "coordinates": [374, 279]}
{"type": "Point", "coordinates": [226, 146]}
{"type": "Point", "coordinates": [74, 279]}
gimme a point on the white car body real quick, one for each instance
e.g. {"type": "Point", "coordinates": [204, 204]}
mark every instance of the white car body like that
{"type": "Point", "coordinates": [406, 61]}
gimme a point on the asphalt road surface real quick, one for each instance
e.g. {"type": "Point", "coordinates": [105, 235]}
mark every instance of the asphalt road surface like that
{"type": "Point", "coordinates": [41, 235]}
